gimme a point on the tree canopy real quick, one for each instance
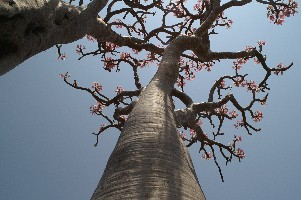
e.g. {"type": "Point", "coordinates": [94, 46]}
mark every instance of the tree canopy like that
{"type": "Point", "coordinates": [180, 81]}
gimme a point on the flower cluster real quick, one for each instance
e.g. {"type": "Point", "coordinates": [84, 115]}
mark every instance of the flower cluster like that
{"type": "Point", "coordinates": [240, 153]}
{"type": "Point", "coordinates": [239, 123]}
{"type": "Point", "coordinates": [119, 89]}
{"type": "Point", "coordinates": [239, 63]}
{"type": "Point", "coordinates": [109, 46]}
{"type": "Point", "coordinates": [102, 127]}
{"type": "Point", "coordinates": [96, 86]}
{"type": "Point", "coordinates": [257, 116]}
{"type": "Point", "coordinates": [222, 110]}
{"type": "Point", "coordinates": [79, 49]}
{"type": "Point", "coordinates": [64, 76]}
{"type": "Point", "coordinates": [192, 132]}
{"type": "Point", "coordinates": [109, 63]}
{"type": "Point", "coordinates": [277, 13]}
{"type": "Point", "coordinates": [97, 108]}
{"type": "Point", "coordinates": [233, 114]}
{"type": "Point", "coordinates": [250, 85]}
{"type": "Point", "coordinates": [207, 155]}
{"type": "Point", "coordinates": [63, 56]}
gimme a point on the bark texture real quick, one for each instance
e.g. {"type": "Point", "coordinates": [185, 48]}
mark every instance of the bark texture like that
{"type": "Point", "coordinates": [150, 160]}
{"type": "Point", "coordinates": [29, 27]}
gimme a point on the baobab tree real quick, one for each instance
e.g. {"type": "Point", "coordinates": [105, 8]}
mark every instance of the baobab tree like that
{"type": "Point", "coordinates": [150, 159]}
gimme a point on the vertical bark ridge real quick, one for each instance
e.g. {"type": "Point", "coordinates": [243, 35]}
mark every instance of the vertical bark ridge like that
{"type": "Point", "coordinates": [149, 160]}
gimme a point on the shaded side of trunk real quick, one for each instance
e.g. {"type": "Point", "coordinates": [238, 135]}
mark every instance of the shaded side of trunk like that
{"type": "Point", "coordinates": [28, 27]}
{"type": "Point", "coordinates": [149, 160]}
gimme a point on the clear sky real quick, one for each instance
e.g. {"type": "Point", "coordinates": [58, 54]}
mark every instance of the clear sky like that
{"type": "Point", "coordinates": [46, 145]}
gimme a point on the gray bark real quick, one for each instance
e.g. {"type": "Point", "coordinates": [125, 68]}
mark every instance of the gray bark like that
{"type": "Point", "coordinates": [29, 27]}
{"type": "Point", "coordinates": [150, 160]}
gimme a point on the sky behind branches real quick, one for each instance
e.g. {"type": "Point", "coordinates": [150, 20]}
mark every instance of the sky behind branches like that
{"type": "Point", "coordinates": [46, 145]}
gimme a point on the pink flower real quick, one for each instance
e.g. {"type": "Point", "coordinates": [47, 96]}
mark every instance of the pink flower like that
{"type": "Point", "coordinates": [110, 46]}
{"type": "Point", "coordinates": [119, 23]}
{"type": "Point", "coordinates": [119, 89]}
{"type": "Point", "coordinates": [240, 153]}
{"type": "Point", "coordinates": [63, 56]}
{"type": "Point", "coordinates": [192, 132]}
{"type": "Point", "coordinates": [238, 138]}
{"type": "Point", "coordinates": [251, 86]}
{"type": "Point", "coordinates": [124, 55]}
{"type": "Point", "coordinates": [102, 127]}
{"type": "Point", "coordinates": [261, 43]}
{"type": "Point", "coordinates": [223, 84]}
{"type": "Point", "coordinates": [181, 83]}
{"type": "Point", "coordinates": [257, 116]}
{"type": "Point", "coordinates": [109, 63]}
{"type": "Point", "coordinates": [66, 75]}
{"type": "Point", "coordinates": [222, 110]}
{"type": "Point", "coordinates": [124, 117]}
{"type": "Point", "coordinates": [233, 114]}
{"type": "Point", "coordinates": [94, 109]}
{"type": "Point", "coordinates": [239, 63]}
{"type": "Point", "coordinates": [79, 49]}
{"type": "Point", "coordinates": [97, 86]}
{"type": "Point", "coordinates": [249, 48]}
{"type": "Point", "coordinates": [199, 122]}
{"type": "Point", "coordinates": [229, 23]}
{"type": "Point", "coordinates": [239, 123]}
{"type": "Point", "coordinates": [207, 156]}
{"type": "Point", "coordinates": [256, 61]}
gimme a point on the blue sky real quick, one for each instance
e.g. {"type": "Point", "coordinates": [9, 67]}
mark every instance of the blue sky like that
{"type": "Point", "coordinates": [46, 145]}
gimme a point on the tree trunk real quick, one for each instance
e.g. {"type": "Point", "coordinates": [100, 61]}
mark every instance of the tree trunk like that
{"type": "Point", "coordinates": [150, 161]}
{"type": "Point", "coordinates": [28, 27]}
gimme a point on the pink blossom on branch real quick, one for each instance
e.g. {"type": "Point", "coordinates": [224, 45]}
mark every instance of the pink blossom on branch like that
{"type": "Point", "coordinates": [207, 156]}
{"type": "Point", "coordinates": [95, 109]}
{"type": "Point", "coordinates": [192, 132]}
{"type": "Point", "coordinates": [278, 12]}
{"type": "Point", "coordinates": [233, 114]}
{"type": "Point", "coordinates": [101, 127]}
{"type": "Point", "coordinates": [109, 63]}
{"type": "Point", "coordinates": [63, 56]}
{"type": "Point", "coordinates": [79, 49]}
{"type": "Point", "coordinates": [238, 138]}
{"type": "Point", "coordinates": [119, 89]}
{"type": "Point", "coordinates": [239, 123]}
{"type": "Point", "coordinates": [96, 86]}
{"type": "Point", "coordinates": [257, 116]}
{"type": "Point", "coordinates": [240, 153]}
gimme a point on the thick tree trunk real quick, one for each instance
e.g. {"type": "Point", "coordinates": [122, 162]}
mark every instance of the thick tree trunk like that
{"type": "Point", "coordinates": [149, 160]}
{"type": "Point", "coordinates": [28, 27]}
